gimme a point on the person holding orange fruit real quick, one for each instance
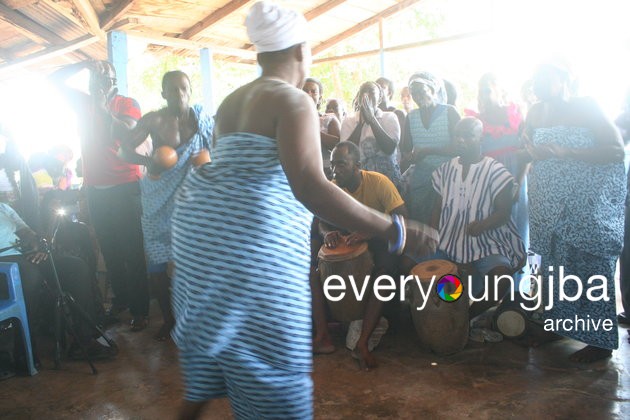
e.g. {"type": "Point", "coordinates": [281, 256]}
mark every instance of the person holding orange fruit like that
{"type": "Point", "coordinates": [181, 135]}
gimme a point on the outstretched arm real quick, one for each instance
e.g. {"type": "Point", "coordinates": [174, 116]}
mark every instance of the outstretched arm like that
{"type": "Point", "coordinates": [59, 77]}
{"type": "Point", "coordinates": [297, 133]}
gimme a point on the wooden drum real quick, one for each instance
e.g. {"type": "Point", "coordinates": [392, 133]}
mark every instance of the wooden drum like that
{"type": "Point", "coordinates": [344, 261]}
{"type": "Point", "coordinates": [441, 326]}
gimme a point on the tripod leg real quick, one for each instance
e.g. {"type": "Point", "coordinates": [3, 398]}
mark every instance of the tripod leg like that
{"type": "Point", "coordinates": [65, 299]}
{"type": "Point", "coordinates": [89, 321]}
{"type": "Point", "coordinates": [58, 332]}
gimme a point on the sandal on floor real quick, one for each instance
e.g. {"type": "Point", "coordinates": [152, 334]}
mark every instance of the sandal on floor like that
{"type": "Point", "coordinates": [139, 323]}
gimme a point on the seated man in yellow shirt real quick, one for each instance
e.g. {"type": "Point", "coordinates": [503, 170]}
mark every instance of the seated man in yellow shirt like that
{"type": "Point", "coordinates": [375, 191]}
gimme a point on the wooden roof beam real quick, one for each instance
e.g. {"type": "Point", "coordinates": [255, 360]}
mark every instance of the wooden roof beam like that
{"type": "Point", "coordinates": [363, 25]}
{"type": "Point", "coordinates": [124, 24]}
{"type": "Point", "coordinates": [402, 47]}
{"type": "Point", "coordinates": [24, 49]}
{"type": "Point", "coordinates": [89, 16]}
{"type": "Point", "coordinates": [48, 53]}
{"type": "Point", "coordinates": [322, 8]}
{"type": "Point", "coordinates": [213, 18]}
{"type": "Point", "coordinates": [6, 55]}
{"type": "Point", "coordinates": [172, 42]}
{"type": "Point", "coordinates": [109, 18]}
{"type": "Point", "coordinates": [25, 23]}
{"type": "Point", "coordinates": [66, 12]}
{"type": "Point", "coordinates": [18, 4]}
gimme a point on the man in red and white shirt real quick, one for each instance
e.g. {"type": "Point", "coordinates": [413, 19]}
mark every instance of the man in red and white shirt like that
{"type": "Point", "coordinates": [112, 185]}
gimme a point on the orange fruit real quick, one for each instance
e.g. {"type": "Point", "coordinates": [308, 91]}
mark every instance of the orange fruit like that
{"type": "Point", "coordinates": [165, 157]}
{"type": "Point", "coordinates": [201, 157]}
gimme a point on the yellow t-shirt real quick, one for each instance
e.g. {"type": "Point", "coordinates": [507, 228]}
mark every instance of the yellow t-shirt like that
{"type": "Point", "coordinates": [377, 191]}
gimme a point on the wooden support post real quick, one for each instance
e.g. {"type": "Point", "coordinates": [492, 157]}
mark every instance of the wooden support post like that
{"type": "Point", "coordinates": [381, 46]}
{"type": "Point", "coordinates": [205, 56]}
{"type": "Point", "coordinates": [118, 56]}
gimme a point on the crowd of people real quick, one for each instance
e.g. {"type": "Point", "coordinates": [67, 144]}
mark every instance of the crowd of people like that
{"type": "Point", "coordinates": [229, 245]}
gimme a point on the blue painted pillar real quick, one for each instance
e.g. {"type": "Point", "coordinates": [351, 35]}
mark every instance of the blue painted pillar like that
{"type": "Point", "coordinates": [205, 56]}
{"type": "Point", "coordinates": [118, 56]}
{"type": "Point", "coordinates": [381, 46]}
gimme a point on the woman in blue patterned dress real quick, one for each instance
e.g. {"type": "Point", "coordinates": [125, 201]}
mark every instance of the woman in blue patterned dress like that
{"type": "Point", "coordinates": [576, 199]}
{"type": "Point", "coordinates": [427, 142]}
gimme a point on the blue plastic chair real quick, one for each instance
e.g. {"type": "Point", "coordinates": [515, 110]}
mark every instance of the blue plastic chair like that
{"type": "Point", "coordinates": [15, 307]}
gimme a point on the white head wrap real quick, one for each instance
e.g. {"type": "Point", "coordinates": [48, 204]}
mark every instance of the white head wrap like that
{"type": "Point", "coordinates": [272, 28]}
{"type": "Point", "coordinates": [432, 81]}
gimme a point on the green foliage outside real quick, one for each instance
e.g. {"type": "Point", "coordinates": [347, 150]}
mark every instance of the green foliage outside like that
{"type": "Point", "coordinates": [341, 79]}
{"type": "Point", "coordinates": [145, 81]}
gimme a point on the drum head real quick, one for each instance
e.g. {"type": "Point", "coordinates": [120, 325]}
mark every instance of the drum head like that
{"type": "Point", "coordinates": [342, 252]}
{"type": "Point", "coordinates": [438, 268]}
{"type": "Point", "coordinates": [511, 323]}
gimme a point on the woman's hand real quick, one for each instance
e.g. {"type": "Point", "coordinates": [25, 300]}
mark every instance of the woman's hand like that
{"type": "Point", "coordinates": [418, 154]}
{"type": "Point", "coordinates": [332, 239]}
{"type": "Point", "coordinates": [368, 110]}
{"type": "Point", "coordinates": [547, 151]}
{"type": "Point", "coordinates": [476, 228]}
{"type": "Point", "coordinates": [37, 257]}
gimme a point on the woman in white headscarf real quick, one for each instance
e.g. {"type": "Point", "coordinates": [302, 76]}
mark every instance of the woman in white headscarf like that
{"type": "Point", "coordinates": [426, 142]}
{"type": "Point", "coordinates": [240, 236]}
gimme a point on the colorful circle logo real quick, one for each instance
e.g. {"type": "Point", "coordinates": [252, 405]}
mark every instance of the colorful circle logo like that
{"type": "Point", "coordinates": [449, 282]}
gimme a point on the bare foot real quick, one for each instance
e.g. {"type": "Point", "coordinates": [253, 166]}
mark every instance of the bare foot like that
{"type": "Point", "coordinates": [323, 346]}
{"type": "Point", "coordinates": [366, 360]}
{"type": "Point", "coordinates": [590, 354]}
{"type": "Point", "coordinates": [164, 332]}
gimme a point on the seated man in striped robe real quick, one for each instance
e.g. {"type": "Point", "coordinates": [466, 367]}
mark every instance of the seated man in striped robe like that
{"type": "Point", "coordinates": [473, 215]}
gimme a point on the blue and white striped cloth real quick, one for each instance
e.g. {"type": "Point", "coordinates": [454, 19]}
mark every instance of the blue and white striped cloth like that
{"type": "Point", "coordinates": [158, 195]}
{"type": "Point", "coordinates": [241, 252]}
{"type": "Point", "coordinates": [470, 199]}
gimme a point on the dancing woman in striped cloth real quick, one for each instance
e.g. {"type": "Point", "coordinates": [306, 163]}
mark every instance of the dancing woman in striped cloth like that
{"type": "Point", "coordinates": [241, 294]}
{"type": "Point", "coordinates": [188, 130]}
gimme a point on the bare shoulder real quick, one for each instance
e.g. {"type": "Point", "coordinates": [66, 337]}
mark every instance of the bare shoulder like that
{"type": "Point", "coordinates": [151, 118]}
{"type": "Point", "coordinates": [258, 106]}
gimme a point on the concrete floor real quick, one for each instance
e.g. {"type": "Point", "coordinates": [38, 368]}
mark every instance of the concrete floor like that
{"type": "Point", "coordinates": [485, 381]}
